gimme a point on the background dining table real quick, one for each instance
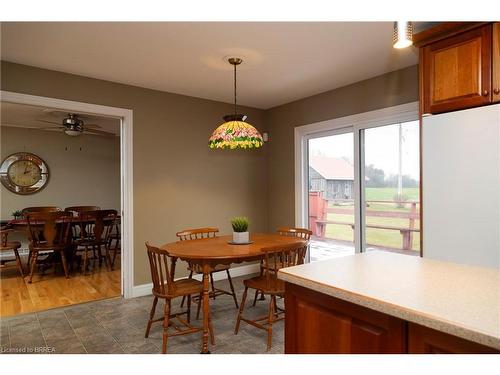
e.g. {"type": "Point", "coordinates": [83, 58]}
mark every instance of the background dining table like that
{"type": "Point", "coordinates": [209, 252]}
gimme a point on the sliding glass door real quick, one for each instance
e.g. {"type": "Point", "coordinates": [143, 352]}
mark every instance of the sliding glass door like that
{"type": "Point", "coordinates": [390, 188]}
{"type": "Point", "coordinates": [361, 188]}
{"type": "Point", "coordinates": [331, 195]}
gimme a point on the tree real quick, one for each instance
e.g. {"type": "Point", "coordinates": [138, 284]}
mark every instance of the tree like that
{"type": "Point", "coordinates": [375, 176]}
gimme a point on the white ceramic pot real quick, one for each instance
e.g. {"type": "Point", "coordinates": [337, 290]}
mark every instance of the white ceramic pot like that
{"type": "Point", "coordinates": [241, 237]}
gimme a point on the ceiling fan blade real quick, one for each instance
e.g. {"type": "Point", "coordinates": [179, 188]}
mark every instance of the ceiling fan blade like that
{"type": "Point", "coordinates": [98, 132]}
{"type": "Point", "coordinates": [93, 126]}
{"type": "Point", "coordinates": [50, 122]}
{"type": "Point", "coordinates": [52, 128]}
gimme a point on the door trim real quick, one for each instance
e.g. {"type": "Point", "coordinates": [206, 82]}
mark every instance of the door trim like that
{"type": "Point", "coordinates": [126, 168]}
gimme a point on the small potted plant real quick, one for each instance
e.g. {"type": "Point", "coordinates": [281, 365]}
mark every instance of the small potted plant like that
{"type": "Point", "coordinates": [240, 229]}
{"type": "Point", "coordinates": [17, 214]}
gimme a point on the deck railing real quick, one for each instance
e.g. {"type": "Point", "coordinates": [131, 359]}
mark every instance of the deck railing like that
{"type": "Point", "coordinates": [319, 208]}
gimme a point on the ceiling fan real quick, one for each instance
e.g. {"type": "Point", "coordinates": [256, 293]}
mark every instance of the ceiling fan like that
{"type": "Point", "coordinates": [74, 126]}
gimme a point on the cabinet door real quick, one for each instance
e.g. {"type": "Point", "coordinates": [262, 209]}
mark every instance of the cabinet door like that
{"type": "Point", "coordinates": [423, 340]}
{"type": "Point", "coordinates": [496, 62]}
{"type": "Point", "coordinates": [319, 324]}
{"type": "Point", "coordinates": [457, 71]}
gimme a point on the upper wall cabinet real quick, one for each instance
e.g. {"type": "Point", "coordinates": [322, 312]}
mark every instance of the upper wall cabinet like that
{"type": "Point", "coordinates": [496, 62]}
{"type": "Point", "coordinates": [456, 72]}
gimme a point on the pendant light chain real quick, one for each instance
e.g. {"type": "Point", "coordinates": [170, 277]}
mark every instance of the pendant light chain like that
{"type": "Point", "coordinates": [235, 89]}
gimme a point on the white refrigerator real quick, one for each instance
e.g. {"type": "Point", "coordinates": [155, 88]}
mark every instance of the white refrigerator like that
{"type": "Point", "coordinates": [461, 186]}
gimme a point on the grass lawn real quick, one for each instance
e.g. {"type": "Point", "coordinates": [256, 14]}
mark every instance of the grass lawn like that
{"type": "Point", "coordinates": [388, 194]}
{"type": "Point", "coordinates": [380, 237]}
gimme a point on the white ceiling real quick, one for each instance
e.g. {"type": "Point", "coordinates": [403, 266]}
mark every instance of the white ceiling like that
{"type": "Point", "coordinates": [28, 116]}
{"type": "Point", "coordinates": [282, 61]}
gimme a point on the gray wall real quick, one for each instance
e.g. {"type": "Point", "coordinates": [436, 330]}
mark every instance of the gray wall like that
{"type": "Point", "coordinates": [84, 170]}
{"type": "Point", "coordinates": [178, 181]}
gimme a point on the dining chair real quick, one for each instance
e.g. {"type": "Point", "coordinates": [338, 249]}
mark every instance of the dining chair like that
{"type": "Point", "coordinates": [48, 231]}
{"type": "Point", "coordinates": [28, 210]}
{"type": "Point", "coordinates": [6, 245]}
{"type": "Point", "coordinates": [75, 210]}
{"type": "Point", "coordinates": [116, 236]}
{"type": "Point", "coordinates": [276, 257]}
{"type": "Point", "coordinates": [95, 228]}
{"type": "Point", "coordinates": [287, 232]}
{"type": "Point", "coordinates": [166, 288]}
{"type": "Point", "coordinates": [199, 233]}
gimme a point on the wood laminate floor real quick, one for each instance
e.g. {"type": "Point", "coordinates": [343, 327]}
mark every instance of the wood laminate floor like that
{"type": "Point", "coordinates": [51, 290]}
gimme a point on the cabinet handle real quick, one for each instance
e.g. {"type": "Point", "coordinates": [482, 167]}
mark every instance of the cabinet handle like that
{"type": "Point", "coordinates": [496, 91]}
{"type": "Point", "coordinates": [485, 93]}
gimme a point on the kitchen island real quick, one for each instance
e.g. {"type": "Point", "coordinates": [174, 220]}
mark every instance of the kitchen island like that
{"type": "Point", "coordinates": [381, 302]}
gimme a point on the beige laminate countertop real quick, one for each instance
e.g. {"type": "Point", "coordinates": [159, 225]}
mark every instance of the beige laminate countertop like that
{"type": "Point", "coordinates": [457, 299]}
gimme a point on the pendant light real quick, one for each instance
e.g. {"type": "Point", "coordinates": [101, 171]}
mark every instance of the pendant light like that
{"type": "Point", "coordinates": [402, 34]}
{"type": "Point", "coordinates": [235, 132]}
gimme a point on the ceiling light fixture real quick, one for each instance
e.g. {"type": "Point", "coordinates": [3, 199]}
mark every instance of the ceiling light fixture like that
{"type": "Point", "coordinates": [235, 132]}
{"type": "Point", "coordinates": [402, 35]}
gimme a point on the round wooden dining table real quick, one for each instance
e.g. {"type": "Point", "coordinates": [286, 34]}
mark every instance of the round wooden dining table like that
{"type": "Point", "coordinates": [209, 252]}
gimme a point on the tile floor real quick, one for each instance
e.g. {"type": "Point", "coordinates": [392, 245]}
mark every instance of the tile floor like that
{"type": "Point", "coordinates": [117, 326]}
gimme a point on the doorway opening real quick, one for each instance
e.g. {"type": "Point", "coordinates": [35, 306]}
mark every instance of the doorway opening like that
{"type": "Point", "coordinates": [88, 166]}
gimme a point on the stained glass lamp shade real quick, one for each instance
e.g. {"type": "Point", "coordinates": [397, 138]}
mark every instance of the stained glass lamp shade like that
{"type": "Point", "coordinates": [235, 132]}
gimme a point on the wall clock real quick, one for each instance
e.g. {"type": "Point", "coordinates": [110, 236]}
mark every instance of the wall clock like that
{"type": "Point", "coordinates": [24, 173]}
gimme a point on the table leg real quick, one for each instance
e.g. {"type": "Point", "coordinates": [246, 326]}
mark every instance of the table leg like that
{"type": "Point", "coordinates": [206, 309]}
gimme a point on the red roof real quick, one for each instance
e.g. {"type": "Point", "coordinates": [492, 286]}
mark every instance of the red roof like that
{"type": "Point", "coordinates": [332, 168]}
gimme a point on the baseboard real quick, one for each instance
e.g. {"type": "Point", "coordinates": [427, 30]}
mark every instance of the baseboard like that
{"type": "Point", "coordinates": [145, 289]}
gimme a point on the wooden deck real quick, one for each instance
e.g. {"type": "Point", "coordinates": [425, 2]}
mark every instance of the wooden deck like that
{"type": "Point", "coordinates": [327, 248]}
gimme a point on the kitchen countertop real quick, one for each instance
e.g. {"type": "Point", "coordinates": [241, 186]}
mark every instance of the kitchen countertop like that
{"type": "Point", "coordinates": [461, 300]}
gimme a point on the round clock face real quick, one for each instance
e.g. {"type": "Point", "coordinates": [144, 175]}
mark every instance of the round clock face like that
{"type": "Point", "coordinates": [24, 173]}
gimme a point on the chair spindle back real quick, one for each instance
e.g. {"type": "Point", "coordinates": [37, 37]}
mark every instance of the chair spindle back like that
{"type": "Point", "coordinates": [295, 232]}
{"type": "Point", "coordinates": [97, 224]}
{"type": "Point", "coordinates": [282, 256]}
{"type": "Point", "coordinates": [198, 233]}
{"type": "Point", "coordinates": [161, 276]}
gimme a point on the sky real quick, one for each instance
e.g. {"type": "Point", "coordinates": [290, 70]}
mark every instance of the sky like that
{"type": "Point", "coordinates": [381, 148]}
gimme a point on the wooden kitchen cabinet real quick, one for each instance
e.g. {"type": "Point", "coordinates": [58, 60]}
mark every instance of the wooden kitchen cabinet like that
{"type": "Point", "coordinates": [496, 62]}
{"type": "Point", "coordinates": [316, 323]}
{"type": "Point", "coordinates": [456, 72]}
{"type": "Point", "coordinates": [319, 324]}
{"type": "Point", "coordinates": [423, 340]}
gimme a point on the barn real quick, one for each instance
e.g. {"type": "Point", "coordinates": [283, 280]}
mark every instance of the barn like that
{"type": "Point", "coordinates": [334, 177]}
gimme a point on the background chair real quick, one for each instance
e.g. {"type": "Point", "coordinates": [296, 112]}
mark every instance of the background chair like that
{"type": "Point", "coordinates": [193, 234]}
{"type": "Point", "coordinates": [28, 210]}
{"type": "Point", "coordinates": [95, 228]}
{"type": "Point", "coordinates": [287, 232]}
{"type": "Point", "coordinates": [276, 257]}
{"type": "Point", "coordinates": [116, 236]}
{"type": "Point", "coordinates": [48, 231]}
{"type": "Point", "coordinates": [75, 210]}
{"type": "Point", "coordinates": [166, 288]}
{"type": "Point", "coordinates": [13, 246]}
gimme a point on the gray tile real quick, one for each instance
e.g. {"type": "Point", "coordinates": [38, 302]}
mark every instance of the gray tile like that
{"type": "Point", "coordinates": [57, 333]}
{"type": "Point", "coordinates": [101, 343]}
{"type": "Point", "coordinates": [22, 320]}
{"type": "Point", "coordinates": [86, 332]}
{"type": "Point", "coordinates": [66, 346]}
{"type": "Point", "coordinates": [53, 318]}
{"type": "Point", "coordinates": [141, 348]}
{"type": "Point", "coordinates": [117, 325]}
